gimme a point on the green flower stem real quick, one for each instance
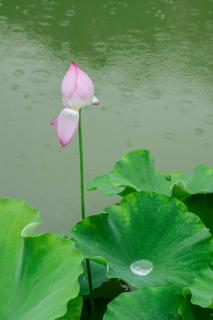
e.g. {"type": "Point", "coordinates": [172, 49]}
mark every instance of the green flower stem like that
{"type": "Point", "coordinates": [83, 215]}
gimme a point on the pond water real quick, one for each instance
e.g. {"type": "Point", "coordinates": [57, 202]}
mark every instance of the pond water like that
{"type": "Point", "coordinates": [152, 65]}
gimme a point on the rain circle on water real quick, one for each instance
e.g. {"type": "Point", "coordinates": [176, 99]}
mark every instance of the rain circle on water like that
{"type": "Point", "coordinates": [141, 267]}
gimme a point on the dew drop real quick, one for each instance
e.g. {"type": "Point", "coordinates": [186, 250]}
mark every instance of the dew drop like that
{"type": "Point", "coordinates": [141, 267]}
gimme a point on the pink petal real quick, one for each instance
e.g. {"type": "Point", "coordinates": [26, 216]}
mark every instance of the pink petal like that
{"type": "Point", "coordinates": [84, 88]}
{"type": "Point", "coordinates": [69, 82]}
{"type": "Point", "coordinates": [67, 125]}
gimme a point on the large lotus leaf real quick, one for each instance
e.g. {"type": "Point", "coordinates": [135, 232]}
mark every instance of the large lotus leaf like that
{"type": "Point", "coordinates": [136, 171]}
{"type": "Point", "coordinates": [39, 274]}
{"type": "Point", "coordinates": [106, 183]}
{"type": "Point", "coordinates": [73, 309]}
{"type": "Point", "coordinates": [152, 227]}
{"type": "Point", "coordinates": [145, 304]}
{"type": "Point", "coordinates": [202, 289]}
{"type": "Point", "coordinates": [98, 272]}
{"type": "Point", "coordinates": [200, 181]}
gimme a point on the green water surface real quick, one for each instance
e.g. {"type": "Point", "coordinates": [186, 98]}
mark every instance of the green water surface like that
{"type": "Point", "coordinates": [152, 65]}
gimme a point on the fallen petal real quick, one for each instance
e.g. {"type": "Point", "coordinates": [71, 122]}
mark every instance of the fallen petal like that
{"type": "Point", "coordinates": [67, 125]}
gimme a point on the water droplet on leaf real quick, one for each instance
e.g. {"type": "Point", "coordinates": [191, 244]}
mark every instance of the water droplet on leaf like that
{"type": "Point", "coordinates": [141, 267]}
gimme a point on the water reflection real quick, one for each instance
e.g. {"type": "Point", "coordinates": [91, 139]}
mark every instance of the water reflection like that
{"type": "Point", "coordinates": [152, 65]}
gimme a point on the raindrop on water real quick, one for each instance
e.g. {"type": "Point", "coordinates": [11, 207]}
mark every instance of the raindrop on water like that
{"type": "Point", "coordinates": [65, 45]}
{"type": "Point", "coordinates": [15, 87]}
{"type": "Point", "coordinates": [64, 23]}
{"type": "Point", "coordinates": [129, 144]}
{"type": "Point", "coordinates": [169, 135]}
{"type": "Point", "coordinates": [39, 76]}
{"type": "Point", "coordinates": [209, 119]}
{"type": "Point", "coordinates": [70, 13]}
{"type": "Point", "coordinates": [17, 29]}
{"type": "Point", "coordinates": [25, 11]}
{"type": "Point", "coordinates": [185, 105]}
{"type": "Point", "coordinates": [141, 267]}
{"type": "Point", "coordinates": [29, 108]}
{"type": "Point", "coordinates": [153, 93]}
{"type": "Point", "coordinates": [199, 130]}
{"type": "Point", "coordinates": [112, 12]}
{"type": "Point", "coordinates": [101, 47]}
{"type": "Point", "coordinates": [18, 72]}
{"type": "Point", "coordinates": [3, 19]}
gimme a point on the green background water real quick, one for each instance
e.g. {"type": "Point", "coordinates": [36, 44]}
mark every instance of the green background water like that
{"type": "Point", "coordinates": [151, 62]}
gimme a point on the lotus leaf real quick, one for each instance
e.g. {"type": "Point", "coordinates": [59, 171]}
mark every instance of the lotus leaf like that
{"type": "Point", "coordinates": [73, 309]}
{"type": "Point", "coordinates": [146, 304]}
{"type": "Point", "coordinates": [39, 274]}
{"type": "Point", "coordinates": [98, 277]}
{"type": "Point", "coordinates": [202, 289]}
{"type": "Point", "coordinates": [136, 171]}
{"type": "Point", "coordinates": [152, 227]}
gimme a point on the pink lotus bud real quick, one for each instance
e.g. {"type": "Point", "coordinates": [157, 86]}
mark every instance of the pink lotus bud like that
{"type": "Point", "coordinates": [77, 88]}
{"type": "Point", "coordinates": [78, 91]}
